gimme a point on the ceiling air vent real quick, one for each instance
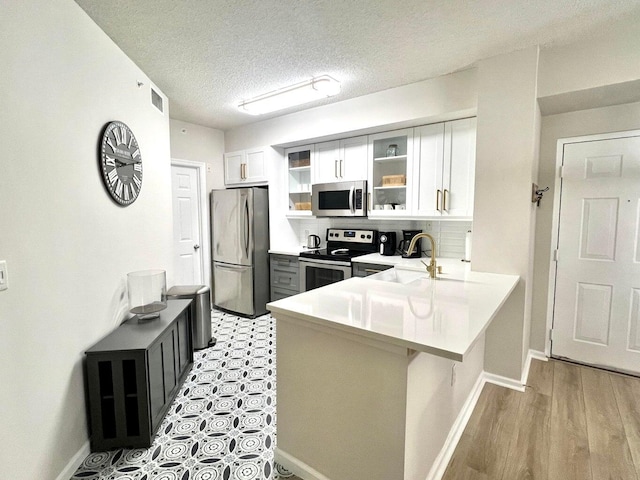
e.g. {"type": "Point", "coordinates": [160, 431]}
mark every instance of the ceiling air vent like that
{"type": "Point", "coordinates": [156, 99]}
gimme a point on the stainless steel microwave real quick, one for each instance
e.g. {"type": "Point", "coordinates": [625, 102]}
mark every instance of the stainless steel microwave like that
{"type": "Point", "coordinates": [339, 199]}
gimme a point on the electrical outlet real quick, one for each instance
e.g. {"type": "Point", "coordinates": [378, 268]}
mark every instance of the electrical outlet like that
{"type": "Point", "coordinates": [209, 168]}
{"type": "Point", "coordinates": [4, 275]}
{"type": "Point", "coordinates": [306, 233]}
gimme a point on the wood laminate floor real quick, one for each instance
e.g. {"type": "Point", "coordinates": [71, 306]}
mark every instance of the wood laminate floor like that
{"type": "Point", "coordinates": [571, 423]}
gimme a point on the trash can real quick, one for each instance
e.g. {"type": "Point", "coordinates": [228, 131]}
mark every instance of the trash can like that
{"type": "Point", "coordinates": [201, 327]}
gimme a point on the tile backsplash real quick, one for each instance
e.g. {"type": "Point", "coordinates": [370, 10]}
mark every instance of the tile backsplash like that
{"type": "Point", "coordinates": [449, 235]}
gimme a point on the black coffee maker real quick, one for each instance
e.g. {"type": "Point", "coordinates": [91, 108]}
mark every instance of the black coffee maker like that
{"type": "Point", "coordinates": [407, 235]}
{"type": "Point", "coordinates": [387, 243]}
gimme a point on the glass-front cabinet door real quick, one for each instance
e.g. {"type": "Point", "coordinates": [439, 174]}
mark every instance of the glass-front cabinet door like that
{"type": "Point", "coordinates": [299, 180]}
{"type": "Point", "coordinates": [390, 183]}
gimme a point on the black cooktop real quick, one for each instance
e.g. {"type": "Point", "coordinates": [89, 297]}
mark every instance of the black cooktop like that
{"type": "Point", "coordinates": [339, 254]}
{"type": "Point", "coordinates": [345, 244]}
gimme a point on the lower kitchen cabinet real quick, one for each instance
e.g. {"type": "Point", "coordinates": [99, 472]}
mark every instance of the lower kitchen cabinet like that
{"type": "Point", "coordinates": [133, 375]}
{"type": "Point", "coordinates": [359, 269]}
{"type": "Point", "coordinates": [285, 276]}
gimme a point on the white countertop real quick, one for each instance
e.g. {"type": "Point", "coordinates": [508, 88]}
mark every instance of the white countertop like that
{"type": "Point", "coordinates": [443, 317]}
{"type": "Point", "coordinates": [295, 251]}
{"type": "Point", "coordinates": [453, 264]}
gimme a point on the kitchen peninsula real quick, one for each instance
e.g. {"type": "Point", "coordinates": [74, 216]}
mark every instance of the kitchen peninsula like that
{"type": "Point", "coordinates": [373, 372]}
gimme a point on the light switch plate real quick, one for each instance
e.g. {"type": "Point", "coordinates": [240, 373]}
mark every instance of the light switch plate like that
{"type": "Point", "coordinates": [4, 275]}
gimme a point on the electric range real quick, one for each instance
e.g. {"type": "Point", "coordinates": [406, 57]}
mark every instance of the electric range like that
{"type": "Point", "coordinates": [333, 264]}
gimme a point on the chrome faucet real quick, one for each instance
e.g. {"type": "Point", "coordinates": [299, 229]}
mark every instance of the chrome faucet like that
{"type": "Point", "coordinates": [432, 268]}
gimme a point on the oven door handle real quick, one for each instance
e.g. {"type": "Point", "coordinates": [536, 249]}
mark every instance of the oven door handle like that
{"type": "Point", "coordinates": [352, 198]}
{"type": "Point", "coordinates": [318, 261]}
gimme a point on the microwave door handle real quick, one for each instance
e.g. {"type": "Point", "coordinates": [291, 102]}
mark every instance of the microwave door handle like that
{"type": "Point", "coordinates": [352, 194]}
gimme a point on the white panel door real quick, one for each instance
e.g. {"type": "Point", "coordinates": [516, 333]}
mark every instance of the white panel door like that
{"type": "Point", "coordinates": [596, 315]}
{"type": "Point", "coordinates": [187, 235]}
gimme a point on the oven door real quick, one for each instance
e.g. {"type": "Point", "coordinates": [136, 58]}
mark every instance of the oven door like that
{"type": "Point", "coordinates": [318, 273]}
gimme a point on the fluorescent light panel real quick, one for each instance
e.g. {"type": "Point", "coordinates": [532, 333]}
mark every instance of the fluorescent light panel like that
{"type": "Point", "coordinates": [314, 89]}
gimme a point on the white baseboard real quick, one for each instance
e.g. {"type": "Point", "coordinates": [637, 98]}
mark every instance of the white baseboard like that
{"type": "Point", "coordinates": [75, 462]}
{"type": "Point", "coordinates": [531, 355]}
{"type": "Point", "coordinates": [504, 381]}
{"type": "Point", "coordinates": [297, 467]}
{"type": "Point", "coordinates": [442, 460]}
{"type": "Point", "coordinates": [535, 354]}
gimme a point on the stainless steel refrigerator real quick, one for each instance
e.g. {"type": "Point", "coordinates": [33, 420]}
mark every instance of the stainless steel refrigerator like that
{"type": "Point", "coordinates": [240, 244]}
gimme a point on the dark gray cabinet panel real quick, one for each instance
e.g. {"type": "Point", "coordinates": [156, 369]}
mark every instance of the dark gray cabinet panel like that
{"type": "Point", "coordinates": [133, 375]}
{"type": "Point", "coordinates": [284, 273]}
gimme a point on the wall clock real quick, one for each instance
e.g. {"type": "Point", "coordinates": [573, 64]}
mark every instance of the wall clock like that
{"type": "Point", "coordinates": [121, 163]}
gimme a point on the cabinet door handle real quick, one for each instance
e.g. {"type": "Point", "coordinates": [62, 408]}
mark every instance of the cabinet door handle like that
{"type": "Point", "coordinates": [335, 168]}
{"type": "Point", "coordinates": [438, 195]}
{"type": "Point", "coordinates": [242, 171]}
{"type": "Point", "coordinates": [372, 270]}
{"type": "Point", "coordinates": [444, 200]}
{"type": "Point", "coordinates": [369, 201]}
{"type": "Point", "coordinates": [341, 170]}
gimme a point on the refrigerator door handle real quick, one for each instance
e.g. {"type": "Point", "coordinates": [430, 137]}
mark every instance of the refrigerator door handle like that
{"type": "Point", "coordinates": [231, 267]}
{"type": "Point", "coordinates": [246, 226]}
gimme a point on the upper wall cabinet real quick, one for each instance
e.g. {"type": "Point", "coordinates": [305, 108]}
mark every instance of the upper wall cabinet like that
{"type": "Point", "coordinates": [340, 160]}
{"type": "Point", "coordinates": [299, 180]}
{"type": "Point", "coordinates": [445, 170]}
{"type": "Point", "coordinates": [390, 181]}
{"type": "Point", "coordinates": [245, 167]}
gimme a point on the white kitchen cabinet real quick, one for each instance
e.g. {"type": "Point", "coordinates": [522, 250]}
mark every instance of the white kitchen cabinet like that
{"type": "Point", "coordinates": [445, 169]}
{"type": "Point", "coordinates": [298, 181]}
{"type": "Point", "coordinates": [245, 167]}
{"type": "Point", "coordinates": [390, 182]}
{"type": "Point", "coordinates": [340, 160]}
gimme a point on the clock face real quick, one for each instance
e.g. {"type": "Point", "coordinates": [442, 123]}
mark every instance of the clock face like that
{"type": "Point", "coordinates": [121, 163]}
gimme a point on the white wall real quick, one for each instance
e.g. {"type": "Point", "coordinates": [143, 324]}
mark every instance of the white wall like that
{"type": "Point", "coordinates": [199, 144]}
{"type": "Point", "coordinates": [68, 246]}
{"type": "Point", "coordinates": [609, 58]}
{"type": "Point", "coordinates": [506, 155]}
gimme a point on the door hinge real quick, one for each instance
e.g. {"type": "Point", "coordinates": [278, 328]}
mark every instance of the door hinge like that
{"type": "Point", "coordinates": [560, 171]}
{"type": "Point", "coordinates": [555, 255]}
{"type": "Point", "coordinates": [551, 334]}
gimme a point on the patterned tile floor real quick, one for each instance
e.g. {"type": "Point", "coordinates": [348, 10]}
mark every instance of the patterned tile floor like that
{"type": "Point", "coordinates": [222, 424]}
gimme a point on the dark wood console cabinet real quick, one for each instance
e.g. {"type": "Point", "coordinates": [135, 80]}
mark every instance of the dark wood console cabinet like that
{"type": "Point", "coordinates": [133, 375]}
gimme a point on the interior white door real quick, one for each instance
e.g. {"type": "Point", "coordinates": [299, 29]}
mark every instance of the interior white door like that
{"type": "Point", "coordinates": [187, 234]}
{"type": "Point", "coordinates": [596, 317]}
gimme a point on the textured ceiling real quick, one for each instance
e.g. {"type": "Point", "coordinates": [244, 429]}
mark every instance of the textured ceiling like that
{"type": "Point", "coordinates": [208, 55]}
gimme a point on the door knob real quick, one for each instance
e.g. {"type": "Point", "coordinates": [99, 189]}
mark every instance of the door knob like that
{"type": "Point", "coordinates": [196, 247]}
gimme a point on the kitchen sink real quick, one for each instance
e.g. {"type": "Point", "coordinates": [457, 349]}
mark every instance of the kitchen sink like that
{"type": "Point", "coordinates": [410, 277]}
{"type": "Point", "coordinates": [398, 275]}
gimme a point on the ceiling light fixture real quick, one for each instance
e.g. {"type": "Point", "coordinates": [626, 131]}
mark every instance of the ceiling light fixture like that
{"type": "Point", "coordinates": [307, 91]}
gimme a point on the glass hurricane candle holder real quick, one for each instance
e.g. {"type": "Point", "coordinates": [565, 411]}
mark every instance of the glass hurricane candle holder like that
{"type": "Point", "coordinates": [147, 292]}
